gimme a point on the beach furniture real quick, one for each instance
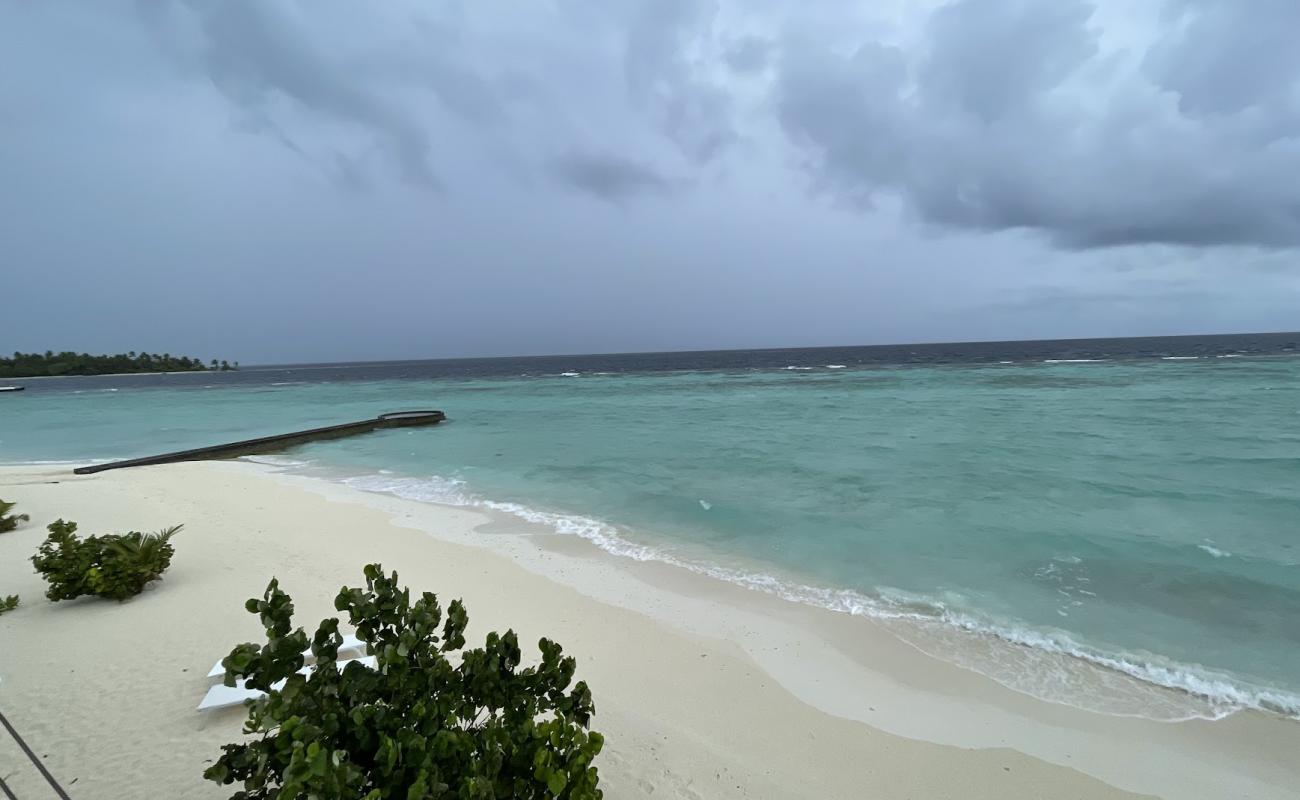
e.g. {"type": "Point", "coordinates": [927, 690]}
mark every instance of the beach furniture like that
{"type": "Point", "coordinates": [221, 696]}
{"type": "Point", "coordinates": [350, 648]}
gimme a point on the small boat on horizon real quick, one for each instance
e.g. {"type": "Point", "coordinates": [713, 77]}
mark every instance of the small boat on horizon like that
{"type": "Point", "coordinates": [11, 388]}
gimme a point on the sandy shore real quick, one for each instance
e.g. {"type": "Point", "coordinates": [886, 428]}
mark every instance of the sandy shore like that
{"type": "Point", "coordinates": [703, 689]}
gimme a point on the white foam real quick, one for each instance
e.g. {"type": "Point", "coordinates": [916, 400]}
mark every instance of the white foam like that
{"type": "Point", "coordinates": [275, 461]}
{"type": "Point", "coordinates": [1074, 360]}
{"type": "Point", "coordinates": [835, 366]}
{"type": "Point", "coordinates": [1214, 551]}
{"type": "Point", "coordinates": [1179, 358]}
{"type": "Point", "coordinates": [1225, 694]}
{"type": "Point", "coordinates": [706, 505]}
{"type": "Point", "coordinates": [798, 368]}
{"type": "Point", "coordinates": [570, 374]}
{"type": "Point", "coordinates": [446, 491]}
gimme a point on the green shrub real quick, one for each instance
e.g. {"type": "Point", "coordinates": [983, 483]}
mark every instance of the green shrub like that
{"type": "Point", "coordinates": [416, 728]}
{"type": "Point", "coordinates": [9, 603]}
{"type": "Point", "coordinates": [115, 566]}
{"type": "Point", "coordinates": [7, 522]}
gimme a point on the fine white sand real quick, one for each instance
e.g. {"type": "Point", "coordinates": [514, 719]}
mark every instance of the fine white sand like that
{"type": "Point", "coordinates": [703, 690]}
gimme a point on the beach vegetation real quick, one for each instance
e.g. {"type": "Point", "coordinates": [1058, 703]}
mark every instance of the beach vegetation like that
{"type": "Point", "coordinates": [428, 719]}
{"type": "Point", "coordinates": [9, 521]}
{"type": "Point", "coordinates": [9, 603]}
{"type": "Point", "coordinates": [114, 566]}
{"type": "Point", "coordinates": [30, 365]}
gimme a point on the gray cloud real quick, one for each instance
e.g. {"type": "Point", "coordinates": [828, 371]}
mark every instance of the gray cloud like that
{"type": "Point", "coordinates": [335, 65]}
{"type": "Point", "coordinates": [997, 115]}
{"type": "Point", "coordinates": [609, 177]}
{"type": "Point", "coordinates": [749, 54]}
{"type": "Point", "coordinates": [1010, 114]}
{"type": "Point", "coordinates": [1225, 57]}
{"type": "Point", "coordinates": [663, 73]}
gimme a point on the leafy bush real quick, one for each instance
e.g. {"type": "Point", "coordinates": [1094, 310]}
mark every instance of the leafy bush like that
{"type": "Point", "coordinates": [416, 727]}
{"type": "Point", "coordinates": [9, 603]}
{"type": "Point", "coordinates": [7, 522]}
{"type": "Point", "coordinates": [116, 566]}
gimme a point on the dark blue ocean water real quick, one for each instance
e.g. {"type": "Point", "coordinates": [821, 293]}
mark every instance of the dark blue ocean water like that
{"type": "Point", "coordinates": [890, 355]}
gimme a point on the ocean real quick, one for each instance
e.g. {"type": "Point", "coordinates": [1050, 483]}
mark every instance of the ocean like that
{"type": "Point", "coordinates": [1022, 508]}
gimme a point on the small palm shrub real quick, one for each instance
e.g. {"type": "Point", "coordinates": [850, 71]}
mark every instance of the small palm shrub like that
{"type": "Point", "coordinates": [115, 566]}
{"type": "Point", "coordinates": [422, 725]}
{"type": "Point", "coordinates": [8, 522]}
{"type": "Point", "coordinates": [9, 603]}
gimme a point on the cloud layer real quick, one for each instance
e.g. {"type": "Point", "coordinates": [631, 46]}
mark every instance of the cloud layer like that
{"type": "Point", "coordinates": [1067, 118]}
{"type": "Point", "coordinates": [274, 180]}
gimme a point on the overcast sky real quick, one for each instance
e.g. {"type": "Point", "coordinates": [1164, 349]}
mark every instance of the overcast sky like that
{"type": "Point", "coordinates": [306, 181]}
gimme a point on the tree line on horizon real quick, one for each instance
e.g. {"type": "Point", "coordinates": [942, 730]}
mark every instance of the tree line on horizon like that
{"type": "Point", "coordinates": [49, 363]}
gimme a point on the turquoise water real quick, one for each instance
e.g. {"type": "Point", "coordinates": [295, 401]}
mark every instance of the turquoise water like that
{"type": "Point", "coordinates": [1141, 515]}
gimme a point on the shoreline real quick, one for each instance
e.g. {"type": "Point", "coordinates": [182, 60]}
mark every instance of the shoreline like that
{"type": "Point", "coordinates": [699, 674]}
{"type": "Point", "coordinates": [865, 651]}
{"type": "Point", "coordinates": [1114, 683]}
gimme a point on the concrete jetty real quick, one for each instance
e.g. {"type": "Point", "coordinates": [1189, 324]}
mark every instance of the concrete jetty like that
{"type": "Point", "coordinates": [271, 444]}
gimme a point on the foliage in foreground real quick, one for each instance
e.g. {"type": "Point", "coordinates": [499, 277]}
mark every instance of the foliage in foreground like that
{"type": "Point", "coordinates": [116, 566]}
{"type": "Point", "coordinates": [9, 603]}
{"type": "Point", "coordinates": [9, 522]}
{"type": "Point", "coordinates": [415, 728]}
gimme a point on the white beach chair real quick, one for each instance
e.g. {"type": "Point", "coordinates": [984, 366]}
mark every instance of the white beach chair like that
{"type": "Point", "coordinates": [222, 696]}
{"type": "Point", "coordinates": [350, 648]}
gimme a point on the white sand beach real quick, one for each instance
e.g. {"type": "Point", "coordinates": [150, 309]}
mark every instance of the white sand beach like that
{"type": "Point", "coordinates": [703, 689]}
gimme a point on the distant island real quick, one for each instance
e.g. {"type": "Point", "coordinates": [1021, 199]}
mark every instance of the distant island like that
{"type": "Point", "coordinates": [34, 365]}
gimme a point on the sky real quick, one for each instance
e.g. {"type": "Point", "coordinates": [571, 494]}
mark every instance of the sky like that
{"type": "Point", "coordinates": [276, 181]}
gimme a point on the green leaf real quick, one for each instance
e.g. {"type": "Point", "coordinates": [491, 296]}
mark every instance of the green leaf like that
{"type": "Point", "coordinates": [116, 566]}
{"type": "Point", "coordinates": [436, 720]}
{"type": "Point", "coordinates": [557, 782]}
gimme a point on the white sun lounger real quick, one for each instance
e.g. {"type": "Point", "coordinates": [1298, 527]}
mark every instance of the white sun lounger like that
{"type": "Point", "coordinates": [351, 646]}
{"type": "Point", "coordinates": [221, 696]}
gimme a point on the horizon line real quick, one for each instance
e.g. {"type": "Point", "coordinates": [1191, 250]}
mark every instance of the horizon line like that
{"type": "Point", "coordinates": [757, 349]}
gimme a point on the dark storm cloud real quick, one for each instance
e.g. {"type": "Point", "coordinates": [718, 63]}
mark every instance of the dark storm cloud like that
{"type": "Point", "coordinates": [609, 177]}
{"type": "Point", "coordinates": [256, 49]}
{"type": "Point", "coordinates": [1010, 114]}
{"type": "Point", "coordinates": [343, 65]}
{"type": "Point", "coordinates": [380, 70]}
